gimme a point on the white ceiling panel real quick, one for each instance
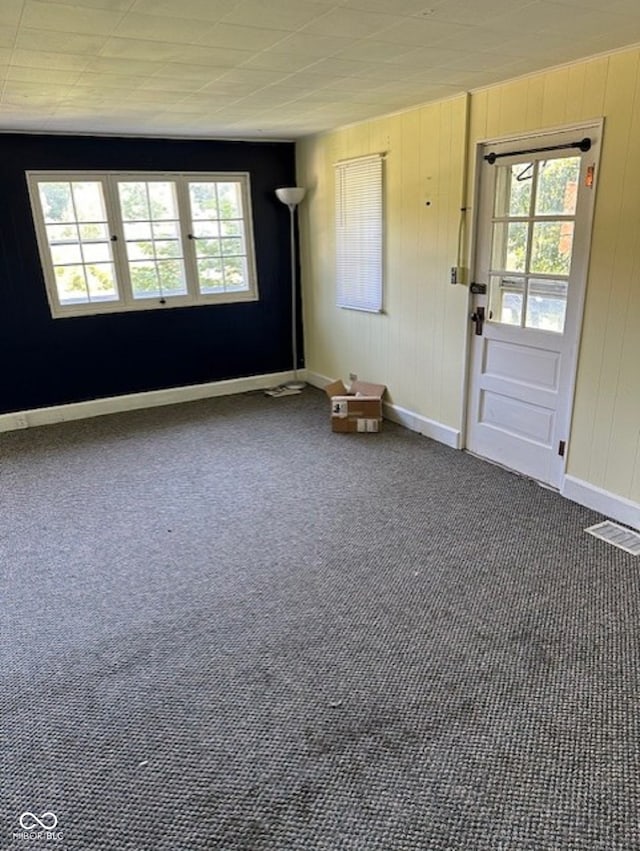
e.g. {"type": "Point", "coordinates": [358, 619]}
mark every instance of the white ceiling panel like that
{"type": "Point", "coordinates": [350, 22]}
{"type": "Point", "coordinates": [60, 17]}
{"type": "Point", "coordinates": [276, 14]}
{"type": "Point", "coordinates": [205, 10]}
{"type": "Point", "coordinates": [242, 38]}
{"type": "Point", "coordinates": [275, 68]}
{"type": "Point", "coordinates": [59, 42]}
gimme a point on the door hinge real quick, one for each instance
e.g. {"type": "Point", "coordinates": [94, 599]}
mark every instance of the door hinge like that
{"type": "Point", "coordinates": [561, 448]}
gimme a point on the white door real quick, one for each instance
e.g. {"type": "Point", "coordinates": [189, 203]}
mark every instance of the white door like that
{"type": "Point", "coordinates": [532, 249]}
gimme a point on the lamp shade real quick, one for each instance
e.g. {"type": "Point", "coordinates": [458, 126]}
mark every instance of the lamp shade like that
{"type": "Point", "coordinates": [291, 195]}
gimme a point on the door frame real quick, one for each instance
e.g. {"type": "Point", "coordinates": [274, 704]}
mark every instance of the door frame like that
{"type": "Point", "coordinates": [533, 138]}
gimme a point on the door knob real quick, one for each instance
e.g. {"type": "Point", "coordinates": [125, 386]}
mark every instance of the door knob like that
{"type": "Point", "coordinates": [478, 317]}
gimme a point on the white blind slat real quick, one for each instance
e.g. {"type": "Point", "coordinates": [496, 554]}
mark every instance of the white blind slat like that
{"type": "Point", "coordinates": [359, 233]}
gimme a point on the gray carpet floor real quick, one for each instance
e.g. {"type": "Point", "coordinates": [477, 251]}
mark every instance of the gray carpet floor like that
{"type": "Point", "coordinates": [228, 628]}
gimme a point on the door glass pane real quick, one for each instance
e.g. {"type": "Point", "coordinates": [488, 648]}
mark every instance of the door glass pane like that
{"type": "Point", "coordinates": [558, 187]}
{"type": "Point", "coordinates": [546, 305]}
{"type": "Point", "coordinates": [513, 189]}
{"type": "Point", "coordinates": [551, 247]}
{"type": "Point", "coordinates": [506, 298]}
{"type": "Point", "coordinates": [509, 246]}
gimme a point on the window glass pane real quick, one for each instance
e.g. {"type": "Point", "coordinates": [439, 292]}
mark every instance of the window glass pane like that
{"type": "Point", "coordinates": [204, 200]}
{"type": "Point", "coordinates": [71, 285]}
{"type": "Point", "coordinates": [206, 228]}
{"type": "Point", "coordinates": [95, 230]}
{"type": "Point", "coordinates": [168, 248]}
{"type": "Point", "coordinates": [62, 233]}
{"type": "Point", "coordinates": [231, 246]}
{"type": "Point", "coordinates": [139, 250]}
{"type": "Point", "coordinates": [546, 305]}
{"type": "Point", "coordinates": [551, 247]}
{"type": "Point", "coordinates": [208, 248]}
{"type": "Point", "coordinates": [229, 201]}
{"type": "Point", "coordinates": [558, 187]}
{"type": "Point", "coordinates": [506, 298]}
{"type": "Point", "coordinates": [56, 201]}
{"type": "Point", "coordinates": [171, 274]}
{"type": "Point", "coordinates": [235, 274]}
{"type": "Point", "coordinates": [144, 280]}
{"type": "Point", "coordinates": [210, 275]}
{"type": "Point", "coordinates": [510, 246]}
{"type": "Point", "coordinates": [69, 253]}
{"type": "Point", "coordinates": [101, 281]}
{"type": "Point", "coordinates": [513, 189]}
{"type": "Point", "coordinates": [231, 227]}
{"type": "Point", "coordinates": [134, 202]}
{"type": "Point", "coordinates": [96, 252]}
{"type": "Point", "coordinates": [166, 230]}
{"type": "Point", "coordinates": [162, 200]}
{"type": "Point", "coordinates": [88, 201]}
{"type": "Point", "coordinates": [137, 230]}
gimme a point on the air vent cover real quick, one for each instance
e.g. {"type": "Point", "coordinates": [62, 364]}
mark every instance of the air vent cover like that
{"type": "Point", "coordinates": [621, 537]}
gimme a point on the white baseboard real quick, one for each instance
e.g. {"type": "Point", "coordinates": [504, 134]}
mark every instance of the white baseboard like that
{"type": "Point", "coordinates": [429, 428]}
{"type": "Point", "coordinates": [604, 502]}
{"type": "Point", "coordinates": [136, 401]}
{"type": "Point", "coordinates": [414, 422]}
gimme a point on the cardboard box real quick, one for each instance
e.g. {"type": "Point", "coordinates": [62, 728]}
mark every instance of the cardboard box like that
{"type": "Point", "coordinates": [357, 410]}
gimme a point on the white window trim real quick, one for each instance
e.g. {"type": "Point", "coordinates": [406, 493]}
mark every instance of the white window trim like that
{"type": "Point", "coordinates": [367, 294]}
{"type": "Point", "coordinates": [126, 301]}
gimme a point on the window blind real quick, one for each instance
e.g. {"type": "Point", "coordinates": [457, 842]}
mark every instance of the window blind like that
{"type": "Point", "coordinates": [359, 233]}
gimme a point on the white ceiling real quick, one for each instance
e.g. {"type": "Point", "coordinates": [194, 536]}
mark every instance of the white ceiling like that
{"type": "Point", "coordinates": [275, 68]}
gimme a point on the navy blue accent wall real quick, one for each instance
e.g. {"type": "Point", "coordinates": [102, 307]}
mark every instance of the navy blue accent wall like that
{"type": "Point", "coordinates": [49, 361]}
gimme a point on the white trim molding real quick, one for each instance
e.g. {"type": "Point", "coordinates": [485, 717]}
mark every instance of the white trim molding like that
{"type": "Point", "coordinates": [137, 401]}
{"type": "Point", "coordinates": [604, 502]}
{"type": "Point", "coordinates": [423, 425]}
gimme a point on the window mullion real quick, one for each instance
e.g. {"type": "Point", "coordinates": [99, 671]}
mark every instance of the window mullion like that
{"type": "Point", "coordinates": [188, 245]}
{"type": "Point", "coordinates": [118, 245]}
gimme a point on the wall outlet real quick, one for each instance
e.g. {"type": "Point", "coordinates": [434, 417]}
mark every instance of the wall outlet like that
{"type": "Point", "coordinates": [353, 376]}
{"type": "Point", "coordinates": [20, 421]}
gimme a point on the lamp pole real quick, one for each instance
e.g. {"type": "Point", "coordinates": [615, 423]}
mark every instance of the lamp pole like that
{"type": "Point", "coordinates": [292, 196]}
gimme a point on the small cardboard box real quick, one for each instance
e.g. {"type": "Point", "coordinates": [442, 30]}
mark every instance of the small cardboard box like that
{"type": "Point", "coordinates": [357, 410]}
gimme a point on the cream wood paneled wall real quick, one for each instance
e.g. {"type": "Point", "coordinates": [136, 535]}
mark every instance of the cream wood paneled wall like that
{"type": "Point", "coordinates": [418, 346]}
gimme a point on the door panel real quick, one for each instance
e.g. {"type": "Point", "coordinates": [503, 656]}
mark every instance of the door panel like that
{"type": "Point", "coordinates": [533, 233]}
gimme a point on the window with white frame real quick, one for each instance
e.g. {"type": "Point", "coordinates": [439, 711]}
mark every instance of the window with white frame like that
{"type": "Point", "coordinates": [359, 223]}
{"type": "Point", "coordinates": [112, 242]}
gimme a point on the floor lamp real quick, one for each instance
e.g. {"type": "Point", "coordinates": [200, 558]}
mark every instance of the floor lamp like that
{"type": "Point", "coordinates": [291, 196]}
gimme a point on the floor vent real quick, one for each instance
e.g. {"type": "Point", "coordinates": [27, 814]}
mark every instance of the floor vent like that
{"type": "Point", "coordinates": [621, 537]}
